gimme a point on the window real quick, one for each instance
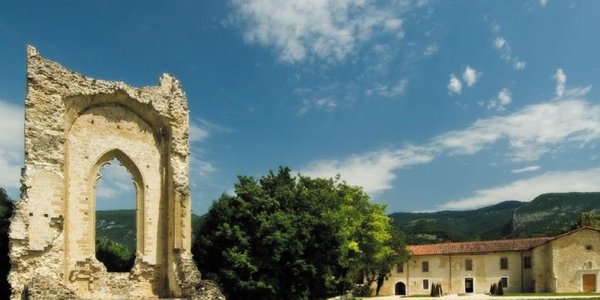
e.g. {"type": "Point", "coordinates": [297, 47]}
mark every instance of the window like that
{"type": "Point", "coordinates": [400, 268]}
{"type": "Point", "coordinates": [526, 262]}
{"type": "Point", "coordinates": [504, 281]}
{"type": "Point", "coordinates": [469, 264]}
{"type": "Point", "coordinates": [425, 266]}
{"type": "Point", "coordinates": [425, 284]}
{"type": "Point", "coordinates": [504, 263]}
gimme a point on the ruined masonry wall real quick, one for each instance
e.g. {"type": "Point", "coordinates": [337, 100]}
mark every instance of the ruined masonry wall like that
{"type": "Point", "coordinates": [73, 125]}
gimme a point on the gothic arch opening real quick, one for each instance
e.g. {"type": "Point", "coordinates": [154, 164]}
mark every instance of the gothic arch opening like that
{"type": "Point", "coordinates": [117, 235]}
{"type": "Point", "coordinates": [115, 212]}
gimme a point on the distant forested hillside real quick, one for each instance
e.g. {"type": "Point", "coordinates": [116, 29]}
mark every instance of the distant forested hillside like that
{"type": "Point", "coordinates": [546, 215]}
{"type": "Point", "coordinates": [492, 222]}
{"type": "Point", "coordinates": [119, 225]}
{"type": "Point", "coordinates": [552, 214]}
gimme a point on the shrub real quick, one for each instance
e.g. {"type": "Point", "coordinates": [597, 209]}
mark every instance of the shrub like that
{"type": "Point", "coordinates": [493, 289]}
{"type": "Point", "coordinates": [362, 290]}
{"type": "Point", "coordinates": [116, 257]}
{"type": "Point", "coordinates": [436, 290]}
{"type": "Point", "coordinates": [500, 290]}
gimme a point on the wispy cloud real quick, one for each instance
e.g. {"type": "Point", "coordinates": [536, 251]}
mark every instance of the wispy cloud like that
{"type": "Point", "coordinates": [11, 144]}
{"type": "Point", "coordinates": [454, 85]}
{"type": "Point", "coordinates": [561, 79]}
{"type": "Point", "coordinates": [200, 131]}
{"type": "Point", "coordinates": [323, 103]}
{"type": "Point", "coordinates": [525, 169]}
{"type": "Point", "coordinates": [325, 29]}
{"type": "Point", "coordinates": [527, 189]}
{"type": "Point", "coordinates": [387, 91]}
{"type": "Point", "coordinates": [499, 103]}
{"type": "Point", "coordinates": [504, 48]}
{"type": "Point", "coordinates": [373, 171]}
{"type": "Point", "coordinates": [519, 65]}
{"type": "Point", "coordinates": [116, 184]}
{"type": "Point", "coordinates": [529, 133]}
{"type": "Point", "coordinates": [543, 2]}
{"type": "Point", "coordinates": [431, 49]}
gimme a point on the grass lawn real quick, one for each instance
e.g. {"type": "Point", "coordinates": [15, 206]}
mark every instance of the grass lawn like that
{"type": "Point", "coordinates": [550, 294]}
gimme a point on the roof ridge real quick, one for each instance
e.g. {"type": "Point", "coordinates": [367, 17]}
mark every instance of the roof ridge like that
{"type": "Point", "coordinates": [505, 245]}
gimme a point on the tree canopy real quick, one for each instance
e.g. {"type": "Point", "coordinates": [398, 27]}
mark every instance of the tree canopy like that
{"type": "Point", "coordinates": [295, 237]}
{"type": "Point", "coordinates": [589, 219]}
{"type": "Point", "coordinates": [6, 207]}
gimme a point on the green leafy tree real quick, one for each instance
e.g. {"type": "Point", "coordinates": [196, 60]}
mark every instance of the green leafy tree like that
{"type": "Point", "coordinates": [6, 208]}
{"type": "Point", "coordinates": [115, 256]}
{"type": "Point", "coordinates": [292, 237]}
{"type": "Point", "coordinates": [383, 248]}
{"type": "Point", "coordinates": [589, 219]}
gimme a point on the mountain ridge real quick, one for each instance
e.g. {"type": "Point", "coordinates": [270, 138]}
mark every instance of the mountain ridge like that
{"type": "Point", "coordinates": [546, 215]}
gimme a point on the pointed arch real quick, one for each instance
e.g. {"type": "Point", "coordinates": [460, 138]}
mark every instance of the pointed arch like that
{"type": "Point", "coordinates": [138, 183]}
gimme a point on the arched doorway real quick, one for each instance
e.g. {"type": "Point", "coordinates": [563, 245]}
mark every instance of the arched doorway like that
{"type": "Point", "coordinates": [400, 288]}
{"type": "Point", "coordinates": [116, 224]}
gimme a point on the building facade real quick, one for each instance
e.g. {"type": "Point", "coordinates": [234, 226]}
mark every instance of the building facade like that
{"type": "Point", "coordinates": [566, 263]}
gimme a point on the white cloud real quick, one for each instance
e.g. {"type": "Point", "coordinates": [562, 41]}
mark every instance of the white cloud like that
{"type": "Point", "coordinates": [326, 29]}
{"type": "Point", "coordinates": [499, 103]}
{"type": "Point", "coordinates": [504, 97]}
{"type": "Point", "coordinates": [389, 91]}
{"type": "Point", "coordinates": [543, 2]}
{"type": "Point", "coordinates": [525, 169]}
{"type": "Point", "coordinates": [527, 189]}
{"type": "Point", "coordinates": [373, 171]}
{"type": "Point", "coordinates": [530, 133]}
{"type": "Point", "coordinates": [11, 144]}
{"type": "Point", "coordinates": [561, 79]}
{"type": "Point", "coordinates": [502, 45]}
{"type": "Point", "coordinates": [454, 85]}
{"type": "Point", "coordinates": [198, 133]}
{"type": "Point", "coordinates": [323, 103]}
{"type": "Point", "coordinates": [200, 130]}
{"type": "Point", "coordinates": [519, 65]}
{"type": "Point", "coordinates": [200, 168]}
{"type": "Point", "coordinates": [470, 76]}
{"type": "Point", "coordinates": [393, 24]}
{"type": "Point", "coordinates": [431, 49]}
{"type": "Point", "coordinates": [114, 171]}
{"type": "Point", "coordinates": [115, 190]}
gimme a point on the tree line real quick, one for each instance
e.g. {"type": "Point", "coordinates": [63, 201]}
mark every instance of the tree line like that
{"type": "Point", "coordinates": [280, 236]}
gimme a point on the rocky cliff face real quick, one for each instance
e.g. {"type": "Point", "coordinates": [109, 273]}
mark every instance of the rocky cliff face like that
{"type": "Point", "coordinates": [552, 214]}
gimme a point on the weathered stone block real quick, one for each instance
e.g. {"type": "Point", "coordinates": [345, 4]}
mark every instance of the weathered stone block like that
{"type": "Point", "coordinates": [73, 126]}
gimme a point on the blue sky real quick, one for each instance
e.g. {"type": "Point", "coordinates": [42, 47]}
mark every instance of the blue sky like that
{"type": "Point", "coordinates": [428, 105]}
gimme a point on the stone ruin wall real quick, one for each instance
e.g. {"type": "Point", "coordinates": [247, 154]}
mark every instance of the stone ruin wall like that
{"type": "Point", "coordinates": [73, 126]}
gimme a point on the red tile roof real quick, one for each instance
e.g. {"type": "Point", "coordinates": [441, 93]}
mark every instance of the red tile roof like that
{"type": "Point", "coordinates": [478, 247]}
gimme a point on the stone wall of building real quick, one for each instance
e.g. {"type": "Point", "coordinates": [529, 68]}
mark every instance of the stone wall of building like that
{"type": "Point", "coordinates": [73, 126]}
{"type": "Point", "coordinates": [450, 271]}
{"type": "Point", "coordinates": [542, 268]}
{"type": "Point", "coordinates": [575, 255]}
